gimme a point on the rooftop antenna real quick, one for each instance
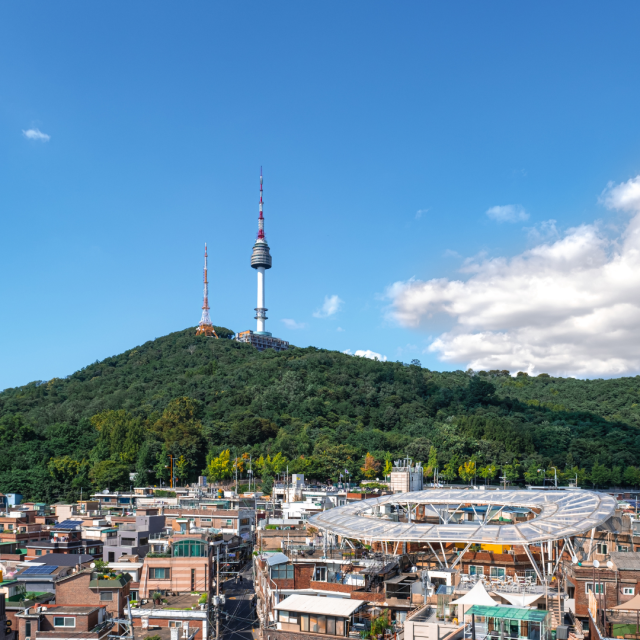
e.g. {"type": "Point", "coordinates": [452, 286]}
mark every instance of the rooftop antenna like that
{"type": "Point", "coordinates": [205, 328]}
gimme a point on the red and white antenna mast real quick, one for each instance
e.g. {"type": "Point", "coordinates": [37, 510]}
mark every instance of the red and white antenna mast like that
{"type": "Point", "coordinates": [206, 327]}
{"type": "Point", "coordinates": [260, 218]}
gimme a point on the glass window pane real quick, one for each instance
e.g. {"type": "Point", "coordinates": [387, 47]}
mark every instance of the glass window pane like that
{"type": "Point", "coordinates": [322, 624]}
{"type": "Point", "coordinates": [331, 626]}
{"type": "Point", "coordinates": [304, 622]}
{"type": "Point", "coordinates": [340, 626]}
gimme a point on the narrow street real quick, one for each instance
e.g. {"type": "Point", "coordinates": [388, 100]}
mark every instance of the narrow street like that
{"type": "Point", "coordinates": [237, 619]}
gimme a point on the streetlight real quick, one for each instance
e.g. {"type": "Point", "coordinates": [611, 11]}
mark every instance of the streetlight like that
{"type": "Point", "coordinates": [555, 476]}
{"type": "Point", "coordinates": [544, 477]}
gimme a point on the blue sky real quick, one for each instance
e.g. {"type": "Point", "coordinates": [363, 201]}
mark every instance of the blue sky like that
{"type": "Point", "coordinates": [387, 131]}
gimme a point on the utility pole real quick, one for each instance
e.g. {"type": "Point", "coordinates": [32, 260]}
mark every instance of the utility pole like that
{"type": "Point", "coordinates": [218, 592]}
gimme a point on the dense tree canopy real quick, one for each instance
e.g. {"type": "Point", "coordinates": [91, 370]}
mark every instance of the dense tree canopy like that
{"type": "Point", "coordinates": [203, 402]}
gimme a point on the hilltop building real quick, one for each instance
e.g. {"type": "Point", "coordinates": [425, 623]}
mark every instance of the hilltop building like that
{"type": "Point", "coordinates": [261, 261]}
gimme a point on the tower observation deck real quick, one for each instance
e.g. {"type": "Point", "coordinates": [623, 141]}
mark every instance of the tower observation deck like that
{"type": "Point", "coordinates": [261, 261]}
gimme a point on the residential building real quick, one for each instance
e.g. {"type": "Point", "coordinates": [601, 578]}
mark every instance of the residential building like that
{"type": "Point", "coordinates": [65, 537]}
{"type": "Point", "coordinates": [20, 526]}
{"type": "Point", "coordinates": [41, 578]}
{"type": "Point", "coordinates": [308, 616]}
{"type": "Point", "coordinates": [110, 500]}
{"type": "Point", "coordinates": [406, 477]}
{"type": "Point", "coordinates": [181, 612]}
{"type": "Point", "coordinates": [186, 565]}
{"type": "Point", "coordinates": [132, 538]}
{"type": "Point", "coordinates": [64, 622]}
{"type": "Point", "coordinates": [239, 521]}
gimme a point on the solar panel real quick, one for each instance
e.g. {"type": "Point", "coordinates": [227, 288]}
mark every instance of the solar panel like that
{"type": "Point", "coordinates": [69, 524]}
{"type": "Point", "coordinates": [43, 570]}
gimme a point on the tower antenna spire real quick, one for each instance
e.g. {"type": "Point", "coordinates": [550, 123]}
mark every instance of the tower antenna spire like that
{"type": "Point", "coordinates": [205, 327]}
{"type": "Point", "coordinates": [261, 261]}
{"type": "Point", "coordinates": [260, 217]}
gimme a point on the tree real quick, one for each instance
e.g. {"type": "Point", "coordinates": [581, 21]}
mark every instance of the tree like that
{"type": "Point", "coordinates": [489, 472]}
{"type": "Point", "coordinates": [467, 471]}
{"type": "Point", "coordinates": [632, 476]}
{"type": "Point", "coordinates": [449, 471]}
{"type": "Point", "coordinates": [371, 467]}
{"type": "Point", "coordinates": [388, 467]}
{"type": "Point", "coordinates": [432, 462]}
{"type": "Point", "coordinates": [110, 474]}
{"type": "Point", "coordinates": [600, 475]}
{"type": "Point", "coordinates": [219, 468]}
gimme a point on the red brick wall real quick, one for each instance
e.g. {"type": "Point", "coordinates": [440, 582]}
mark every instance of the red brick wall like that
{"type": "Point", "coordinates": [303, 574]}
{"type": "Point", "coordinates": [75, 590]}
{"type": "Point", "coordinates": [333, 586]}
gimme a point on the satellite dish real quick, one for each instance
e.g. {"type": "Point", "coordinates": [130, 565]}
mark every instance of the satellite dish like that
{"type": "Point", "coordinates": [596, 564]}
{"type": "Point", "coordinates": [106, 491]}
{"type": "Point", "coordinates": [92, 565]}
{"type": "Point", "coordinates": [574, 559]}
{"type": "Point", "coordinates": [610, 565]}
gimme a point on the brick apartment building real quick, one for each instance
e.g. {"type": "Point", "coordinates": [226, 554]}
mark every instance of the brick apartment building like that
{"type": "Point", "coordinates": [63, 622]}
{"type": "Point", "coordinates": [186, 566]}
{"type": "Point", "coordinates": [89, 587]}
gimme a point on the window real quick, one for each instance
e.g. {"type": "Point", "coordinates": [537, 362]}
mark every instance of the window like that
{"type": "Point", "coordinates": [10, 526]}
{"type": "Point", "coordinates": [106, 499]}
{"type": "Point", "coordinates": [288, 616]}
{"type": "Point", "coordinates": [321, 574]}
{"type": "Point", "coordinates": [190, 549]}
{"type": "Point", "coordinates": [128, 542]}
{"type": "Point", "coordinates": [600, 587]}
{"type": "Point", "coordinates": [602, 548]}
{"type": "Point", "coordinates": [244, 522]}
{"type": "Point", "coordinates": [497, 572]}
{"type": "Point", "coordinates": [530, 573]}
{"type": "Point", "coordinates": [106, 595]}
{"type": "Point", "coordinates": [229, 523]}
{"type": "Point", "coordinates": [205, 519]}
{"type": "Point", "coordinates": [628, 591]}
{"type": "Point", "coordinates": [304, 622]}
{"type": "Point", "coordinates": [282, 572]}
{"type": "Point", "coordinates": [144, 541]}
{"type": "Point", "coordinates": [476, 571]}
{"type": "Point", "coordinates": [159, 573]}
{"type": "Point", "coordinates": [331, 626]}
{"type": "Point", "coordinates": [175, 623]}
{"type": "Point", "coordinates": [317, 623]}
{"type": "Point", "coordinates": [64, 622]}
{"type": "Point", "coordinates": [27, 628]}
{"type": "Point", "coordinates": [38, 552]}
{"type": "Point", "coordinates": [623, 547]}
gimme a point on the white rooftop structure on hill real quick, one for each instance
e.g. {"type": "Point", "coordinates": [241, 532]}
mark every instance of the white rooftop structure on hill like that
{"type": "Point", "coordinates": [551, 515]}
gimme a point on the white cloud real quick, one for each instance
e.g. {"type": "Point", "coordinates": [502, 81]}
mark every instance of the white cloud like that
{"type": "Point", "coordinates": [372, 355]}
{"type": "Point", "coordinates": [569, 306]}
{"type": "Point", "coordinates": [348, 352]}
{"type": "Point", "coordinates": [330, 306]}
{"type": "Point", "coordinates": [420, 213]}
{"type": "Point", "coordinates": [36, 134]}
{"type": "Point", "coordinates": [292, 324]}
{"type": "Point", "coordinates": [508, 213]}
{"type": "Point", "coordinates": [340, 329]}
{"type": "Point", "coordinates": [450, 253]}
{"type": "Point", "coordinates": [625, 196]}
{"type": "Point", "coordinates": [543, 231]}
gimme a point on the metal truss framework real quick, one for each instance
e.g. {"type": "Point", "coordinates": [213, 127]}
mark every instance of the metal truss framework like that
{"type": "Point", "coordinates": [558, 515]}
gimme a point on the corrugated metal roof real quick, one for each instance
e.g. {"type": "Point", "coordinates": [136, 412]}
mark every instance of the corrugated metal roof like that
{"type": "Point", "coordinates": [340, 607]}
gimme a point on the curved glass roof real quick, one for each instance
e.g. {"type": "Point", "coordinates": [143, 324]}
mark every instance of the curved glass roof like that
{"type": "Point", "coordinates": [558, 514]}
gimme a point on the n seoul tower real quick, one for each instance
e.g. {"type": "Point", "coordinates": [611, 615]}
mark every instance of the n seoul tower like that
{"type": "Point", "coordinates": [261, 261]}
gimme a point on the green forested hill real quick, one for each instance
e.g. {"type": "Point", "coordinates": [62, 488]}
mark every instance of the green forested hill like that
{"type": "Point", "coordinates": [317, 412]}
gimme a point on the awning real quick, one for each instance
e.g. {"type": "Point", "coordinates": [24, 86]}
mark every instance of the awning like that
{"type": "Point", "coordinates": [478, 595]}
{"type": "Point", "coordinates": [520, 599]}
{"type": "Point", "coordinates": [509, 613]}
{"type": "Point", "coordinates": [631, 605]}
